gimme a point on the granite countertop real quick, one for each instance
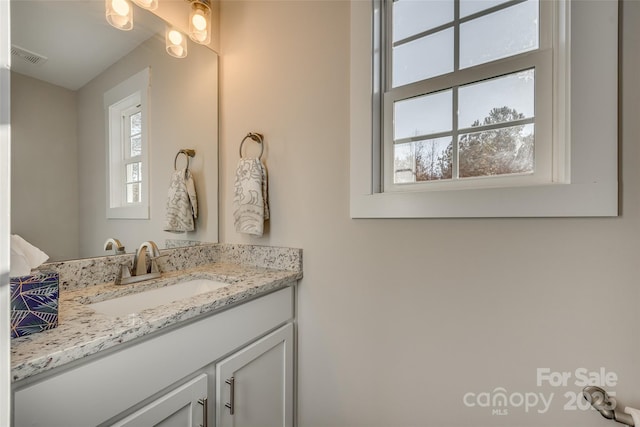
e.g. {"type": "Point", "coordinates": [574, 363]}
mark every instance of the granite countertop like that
{"type": "Point", "coordinates": [82, 331]}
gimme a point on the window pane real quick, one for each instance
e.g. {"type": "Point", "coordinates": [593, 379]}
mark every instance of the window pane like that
{"type": "Point", "coordinates": [498, 100]}
{"type": "Point", "coordinates": [136, 123]}
{"type": "Point", "coordinates": [423, 58]}
{"type": "Point", "coordinates": [426, 160]}
{"type": "Point", "coordinates": [498, 35]}
{"type": "Point", "coordinates": [508, 150]}
{"type": "Point", "coordinates": [136, 146]}
{"type": "Point", "coordinates": [433, 159]}
{"type": "Point", "coordinates": [411, 17]}
{"type": "Point", "coordinates": [469, 7]}
{"type": "Point", "coordinates": [423, 115]}
{"type": "Point", "coordinates": [134, 172]}
{"type": "Point", "coordinates": [133, 193]}
{"type": "Point", "coordinates": [403, 163]}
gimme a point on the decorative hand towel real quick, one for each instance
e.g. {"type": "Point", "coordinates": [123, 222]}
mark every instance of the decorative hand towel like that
{"type": "Point", "coordinates": [182, 203]}
{"type": "Point", "coordinates": [250, 202]}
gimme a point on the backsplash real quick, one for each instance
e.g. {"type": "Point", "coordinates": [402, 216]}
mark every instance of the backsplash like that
{"type": "Point", "coordinates": [76, 274]}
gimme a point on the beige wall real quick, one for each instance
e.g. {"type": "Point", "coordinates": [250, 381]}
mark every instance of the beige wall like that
{"type": "Point", "coordinates": [398, 319]}
{"type": "Point", "coordinates": [183, 114]}
{"type": "Point", "coordinates": [44, 151]}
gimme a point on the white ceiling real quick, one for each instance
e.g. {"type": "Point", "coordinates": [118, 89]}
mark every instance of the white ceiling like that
{"type": "Point", "coordinates": [75, 37]}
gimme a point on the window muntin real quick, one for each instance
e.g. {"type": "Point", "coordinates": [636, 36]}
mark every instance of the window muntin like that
{"type": "Point", "coordinates": [491, 98]}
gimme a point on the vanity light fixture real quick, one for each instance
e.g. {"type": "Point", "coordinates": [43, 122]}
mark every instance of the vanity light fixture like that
{"type": "Point", "coordinates": [119, 14]}
{"type": "Point", "coordinates": [176, 43]}
{"type": "Point", "coordinates": [200, 21]}
{"type": "Point", "coordinates": [147, 4]}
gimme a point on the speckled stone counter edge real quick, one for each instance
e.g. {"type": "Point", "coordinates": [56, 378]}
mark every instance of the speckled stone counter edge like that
{"type": "Point", "coordinates": [76, 274]}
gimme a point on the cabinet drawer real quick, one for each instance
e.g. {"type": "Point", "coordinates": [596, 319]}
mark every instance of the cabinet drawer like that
{"type": "Point", "coordinates": [93, 392]}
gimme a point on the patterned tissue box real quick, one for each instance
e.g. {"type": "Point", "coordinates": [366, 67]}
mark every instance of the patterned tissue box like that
{"type": "Point", "coordinates": [34, 303]}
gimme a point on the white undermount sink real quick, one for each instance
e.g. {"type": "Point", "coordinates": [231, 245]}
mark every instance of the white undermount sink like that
{"type": "Point", "coordinates": [134, 303]}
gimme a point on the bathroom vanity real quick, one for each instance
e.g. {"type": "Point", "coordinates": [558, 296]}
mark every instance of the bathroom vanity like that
{"type": "Point", "coordinates": [224, 357]}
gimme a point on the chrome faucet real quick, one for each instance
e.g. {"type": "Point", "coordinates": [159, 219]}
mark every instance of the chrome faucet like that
{"type": "Point", "coordinates": [114, 244]}
{"type": "Point", "coordinates": [140, 270]}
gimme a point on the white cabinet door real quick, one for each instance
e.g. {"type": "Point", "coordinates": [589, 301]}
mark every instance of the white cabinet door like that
{"type": "Point", "coordinates": [184, 406]}
{"type": "Point", "coordinates": [254, 386]}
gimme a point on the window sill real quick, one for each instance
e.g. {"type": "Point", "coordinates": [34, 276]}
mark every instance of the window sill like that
{"type": "Point", "coordinates": [553, 200]}
{"type": "Point", "coordinates": [128, 212]}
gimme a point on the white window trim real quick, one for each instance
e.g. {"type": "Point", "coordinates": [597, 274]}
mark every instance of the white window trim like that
{"type": "Point", "coordinates": [589, 186]}
{"type": "Point", "coordinates": [134, 88]}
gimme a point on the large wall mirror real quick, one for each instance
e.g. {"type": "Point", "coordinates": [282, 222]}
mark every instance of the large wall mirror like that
{"type": "Point", "coordinates": [59, 164]}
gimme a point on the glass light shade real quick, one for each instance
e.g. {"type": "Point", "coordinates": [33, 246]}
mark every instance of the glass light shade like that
{"type": "Point", "coordinates": [176, 43]}
{"type": "Point", "coordinates": [200, 22]}
{"type": "Point", "coordinates": [119, 13]}
{"type": "Point", "coordinates": [147, 4]}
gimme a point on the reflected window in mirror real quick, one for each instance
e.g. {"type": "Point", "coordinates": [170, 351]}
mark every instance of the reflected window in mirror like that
{"type": "Point", "coordinates": [128, 145]}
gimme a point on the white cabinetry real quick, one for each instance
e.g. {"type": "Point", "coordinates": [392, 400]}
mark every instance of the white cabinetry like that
{"type": "Point", "coordinates": [152, 377]}
{"type": "Point", "coordinates": [254, 386]}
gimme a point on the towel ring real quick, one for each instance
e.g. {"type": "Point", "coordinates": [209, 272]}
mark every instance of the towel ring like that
{"type": "Point", "coordinates": [257, 137]}
{"type": "Point", "coordinates": [189, 152]}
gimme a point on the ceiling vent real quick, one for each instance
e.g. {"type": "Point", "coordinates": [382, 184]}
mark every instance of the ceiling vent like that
{"type": "Point", "coordinates": [26, 55]}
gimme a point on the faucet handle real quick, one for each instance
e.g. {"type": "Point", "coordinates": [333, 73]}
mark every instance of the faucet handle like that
{"type": "Point", "coordinates": [154, 265]}
{"type": "Point", "coordinates": [124, 271]}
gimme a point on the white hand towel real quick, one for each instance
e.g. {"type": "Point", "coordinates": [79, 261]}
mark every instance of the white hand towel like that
{"type": "Point", "coordinates": [182, 202]}
{"type": "Point", "coordinates": [635, 414]}
{"type": "Point", "coordinates": [250, 202]}
{"type": "Point", "coordinates": [24, 257]}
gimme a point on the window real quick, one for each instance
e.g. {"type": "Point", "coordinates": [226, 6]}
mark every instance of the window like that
{"type": "Point", "coordinates": [486, 108]}
{"type": "Point", "coordinates": [127, 142]}
{"type": "Point", "coordinates": [461, 82]}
